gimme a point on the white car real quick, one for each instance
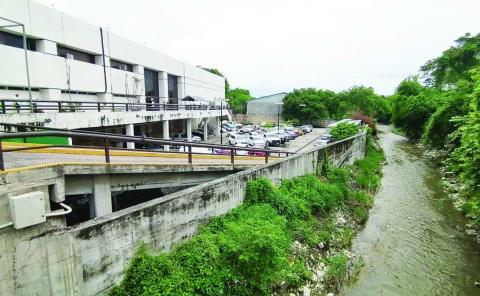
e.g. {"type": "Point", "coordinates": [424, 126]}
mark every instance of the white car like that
{"type": "Point", "coordinates": [235, 139]}
{"type": "Point", "coordinates": [257, 141]}
{"type": "Point", "coordinates": [247, 129]}
{"type": "Point", "coordinates": [323, 140]}
{"type": "Point", "coordinates": [273, 139]}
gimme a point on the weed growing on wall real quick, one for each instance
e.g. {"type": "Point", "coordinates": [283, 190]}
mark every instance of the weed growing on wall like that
{"type": "Point", "coordinates": [275, 242]}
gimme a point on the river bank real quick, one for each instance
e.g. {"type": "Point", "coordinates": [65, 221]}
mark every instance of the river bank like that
{"type": "Point", "coordinates": [414, 241]}
{"type": "Point", "coordinates": [291, 239]}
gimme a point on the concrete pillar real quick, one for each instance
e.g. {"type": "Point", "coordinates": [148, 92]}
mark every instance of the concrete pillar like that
{"type": "Point", "coordinates": [166, 134]}
{"type": "Point", "coordinates": [46, 46]}
{"type": "Point", "coordinates": [51, 94]}
{"type": "Point", "coordinates": [130, 131]}
{"type": "Point", "coordinates": [189, 129]}
{"type": "Point", "coordinates": [102, 196]}
{"type": "Point", "coordinates": [181, 88]}
{"type": "Point", "coordinates": [139, 73]}
{"type": "Point", "coordinates": [104, 97]}
{"type": "Point", "coordinates": [205, 129]}
{"type": "Point", "coordinates": [163, 87]}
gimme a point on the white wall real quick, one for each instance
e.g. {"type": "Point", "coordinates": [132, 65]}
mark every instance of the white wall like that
{"type": "Point", "coordinates": [49, 71]}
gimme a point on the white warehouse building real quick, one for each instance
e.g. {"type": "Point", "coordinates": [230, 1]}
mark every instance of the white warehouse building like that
{"type": "Point", "coordinates": [86, 77]}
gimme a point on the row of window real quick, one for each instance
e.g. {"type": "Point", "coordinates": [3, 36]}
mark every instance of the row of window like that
{"type": "Point", "coordinates": [151, 77]}
{"type": "Point", "coordinates": [66, 52]}
{"type": "Point", "coordinates": [17, 41]}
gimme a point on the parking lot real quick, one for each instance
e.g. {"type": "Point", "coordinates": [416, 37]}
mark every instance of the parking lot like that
{"type": "Point", "coordinates": [301, 143]}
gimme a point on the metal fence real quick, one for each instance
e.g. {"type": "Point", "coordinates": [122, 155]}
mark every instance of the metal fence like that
{"type": "Point", "coordinates": [107, 139]}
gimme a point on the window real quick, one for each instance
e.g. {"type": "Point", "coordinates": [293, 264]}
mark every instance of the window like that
{"type": "Point", "coordinates": [75, 54]}
{"type": "Point", "coordinates": [172, 87]}
{"type": "Point", "coordinates": [17, 41]}
{"type": "Point", "coordinates": [121, 65]}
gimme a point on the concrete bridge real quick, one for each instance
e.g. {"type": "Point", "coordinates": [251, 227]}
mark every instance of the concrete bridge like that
{"type": "Point", "coordinates": [87, 258]}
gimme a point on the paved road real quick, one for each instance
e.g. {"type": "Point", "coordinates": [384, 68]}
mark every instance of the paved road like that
{"type": "Point", "coordinates": [27, 159]}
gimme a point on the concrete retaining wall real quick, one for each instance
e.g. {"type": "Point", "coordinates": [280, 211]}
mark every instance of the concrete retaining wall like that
{"type": "Point", "coordinates": [91, 257]}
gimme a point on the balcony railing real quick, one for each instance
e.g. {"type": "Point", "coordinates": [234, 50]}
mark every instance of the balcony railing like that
{"type": "Point", "coordinates": [42, 106]}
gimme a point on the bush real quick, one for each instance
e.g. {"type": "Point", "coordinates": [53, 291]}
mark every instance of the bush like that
{"type": "Point", "coordinates": [368, 169]}
{"type": "Point", "coordinates": [365, 119]}
{"type": "Point", "coordinates": [344, 130]}
{"type": "Point", "coordinates": [336, 268]}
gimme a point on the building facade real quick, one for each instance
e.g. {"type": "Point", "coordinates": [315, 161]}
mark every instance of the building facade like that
{"type": "Point", "coordinates": [72, 61]}
{"type": "Point", "coordinates": [267, 108]}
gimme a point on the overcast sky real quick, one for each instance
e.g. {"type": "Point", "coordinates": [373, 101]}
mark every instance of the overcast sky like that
{"type": "Point", "coordinates": [269, 46]}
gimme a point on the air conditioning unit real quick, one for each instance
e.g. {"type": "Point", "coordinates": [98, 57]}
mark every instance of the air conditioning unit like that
{"type": "Point", "coordinates": [122, 67]}
{"type": "Point", "coordinates": [70, 56]}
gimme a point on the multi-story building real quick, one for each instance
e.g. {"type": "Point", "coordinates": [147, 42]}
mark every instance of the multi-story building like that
{"type": "Point", "coordinates": [85, 77]}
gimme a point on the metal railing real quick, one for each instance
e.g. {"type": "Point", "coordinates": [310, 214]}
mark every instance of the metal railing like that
{"type": "Point", "coordinates": [41, 106]}
{"type": "Point", "coordinates": [107, 139]}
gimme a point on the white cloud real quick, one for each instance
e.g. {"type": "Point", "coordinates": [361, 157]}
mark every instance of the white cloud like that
{"type": "Point", "coordinates": [269, 46]}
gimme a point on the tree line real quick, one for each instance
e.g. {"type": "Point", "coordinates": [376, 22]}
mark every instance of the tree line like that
{"type": "Point", "coordinates": [438, 107]}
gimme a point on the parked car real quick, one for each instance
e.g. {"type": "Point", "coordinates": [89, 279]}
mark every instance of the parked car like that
{"type": "Point", "coordinates": [257, 141]}
{"type": "Point", "coordinates": [299, 131]}
{"type": "Point", "coordinates": [235, 139]}
{"type": "Point", "coordinates": [247, 129]}
{"type": "Point", "coordinates": [273, 139]}
{"type": "Point", "coordinates": [307, 128]}
{"type": "Point", "coordinates": [293, 135]}
{"type": "Point", "coordinates": [323, 140]}
{"type": "Point", "coordinates": [256, 153]}
{"type": "Point", "coordinates": [226, 151]}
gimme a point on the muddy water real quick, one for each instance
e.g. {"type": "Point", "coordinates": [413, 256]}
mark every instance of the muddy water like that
{"type": "Point", "coordinates": [413, 243]}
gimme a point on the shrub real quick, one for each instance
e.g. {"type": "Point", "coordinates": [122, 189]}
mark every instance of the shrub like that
{"type": "Point", "coordinates": [344, 130]}
{"type": "Point", "coordinates": [365, 119]}
{"type": "Point", "coordinates": [336, 268]}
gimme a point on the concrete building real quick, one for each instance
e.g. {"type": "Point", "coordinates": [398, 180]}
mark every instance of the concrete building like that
{"type": "Point", "coordinates": [81, 67]}
{"type": "Point", "coordinates": [265, 108]}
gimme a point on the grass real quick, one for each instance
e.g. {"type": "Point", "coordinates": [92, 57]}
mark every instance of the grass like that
{"type": "Point", "coordinates": [249, 251]}
{"type": "Point", "coordinates": [40, 140]}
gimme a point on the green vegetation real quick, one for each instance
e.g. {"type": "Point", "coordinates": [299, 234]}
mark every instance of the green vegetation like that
{"type": "Point", "coordinates": [251, 250]}
{"type": "Point", "coordinates": [344, 130]}
{"type": "Point", "coordinates": [313, 105]}
{"type": "Point", "coordinates": [443, 113]}
{"type": "Point", "coordinates": [40, 140]}
{"type": "Point", "coordinates": [238, 99]}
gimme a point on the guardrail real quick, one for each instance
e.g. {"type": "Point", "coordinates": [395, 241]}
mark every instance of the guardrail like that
{"type": "Point", "coordinates": [41, 106]}
{"type": "Point", "coordinates": [107, 139]}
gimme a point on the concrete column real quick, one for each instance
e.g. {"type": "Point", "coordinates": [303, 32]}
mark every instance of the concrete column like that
{"type": "Point", "coordinates": [130, 131]}
{"type": "Point", "coordinates": [105, 97]}
{"type": "Point", "coordinates": [163, 87]}
{"type": "Point", "coordinates": [180, 88]}
{"type": "Point", "coordinates": [189, 129]}
{"type": "Point", "coordinates": [46, 46]}
{"type": "Point", "coordinates": [139, 73]}
{"type": "Point", "coordinates": [205, 129]}
{"type": "Point", "coordinates": [166, 134]}
{"type": "Point", "coordinates": [51, 94]}
{"type": "Point", "coordinates": [102, 196]}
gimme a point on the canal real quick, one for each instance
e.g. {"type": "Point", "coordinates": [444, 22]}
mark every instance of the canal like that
{"type": "Point", "coordinates": [413, 242]}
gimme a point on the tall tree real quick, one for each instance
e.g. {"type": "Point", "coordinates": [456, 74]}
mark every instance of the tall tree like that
{"type": "Point", "coordinates": [454, 63]}
{"type": "Point", "coordinates": [238, 99]}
